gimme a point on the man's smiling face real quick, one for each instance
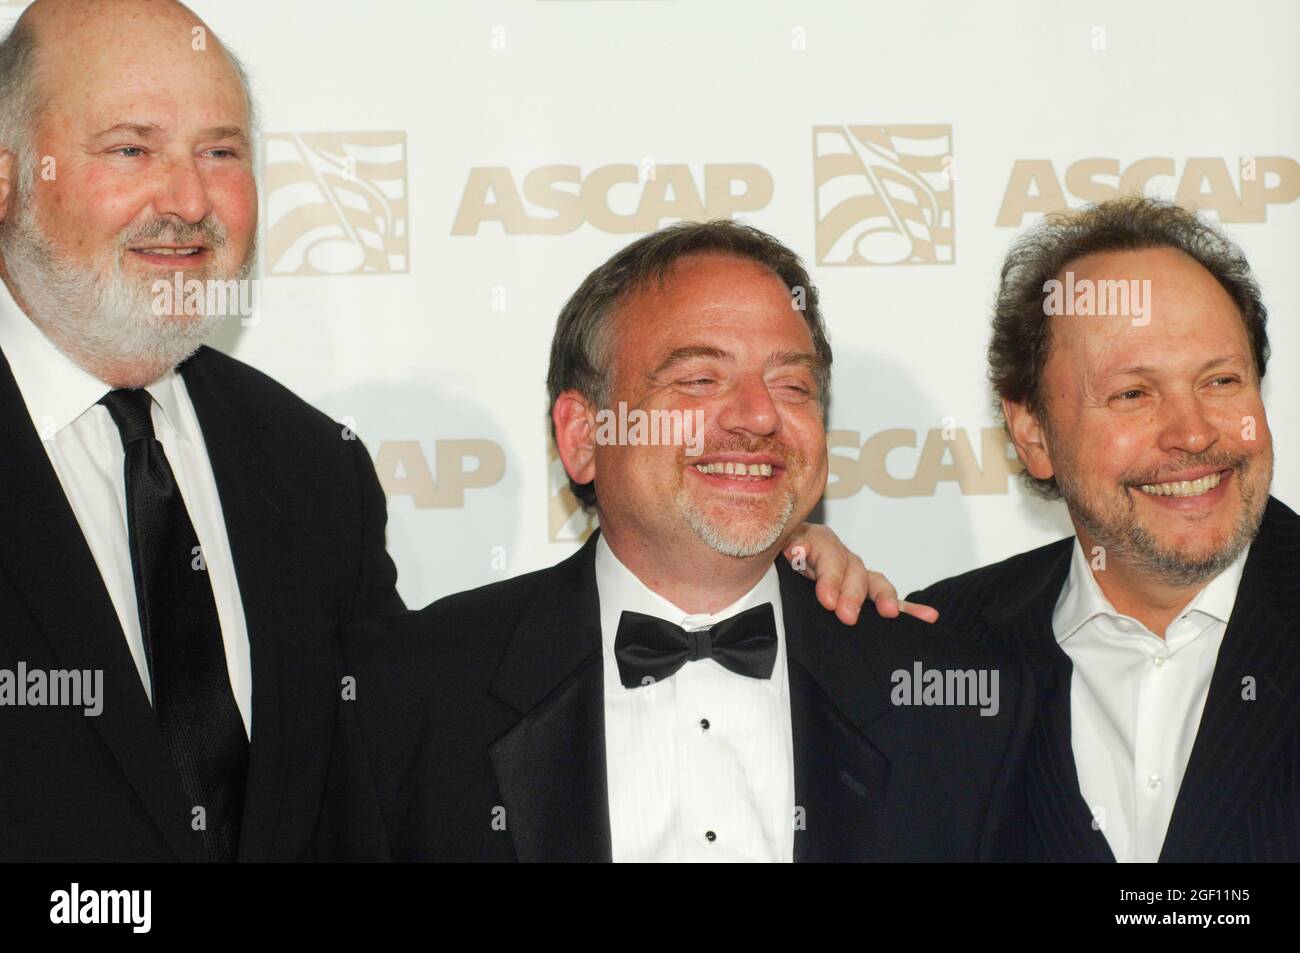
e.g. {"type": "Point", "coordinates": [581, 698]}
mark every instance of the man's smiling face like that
{"type": "Point", "coordinates": [1156, 432]}
{"type": "Point", "coordinates": [146, 144]}
{"type": "Point", "coordinates": [719, 336]}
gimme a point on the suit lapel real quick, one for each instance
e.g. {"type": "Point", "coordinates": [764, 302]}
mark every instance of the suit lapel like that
{"type": "Point", "coordinates": [550, 767]}
{"type": "Point", "coordinates": [44, 552]}
{"type": "Point", "coordinates": [259, 528]}
{"type": "Point", "coordinates": [1022, 622]}
{"type": "Point", "coordinates": [1238, 738]}
{"type": "Point", "coordinates": [840, 777]}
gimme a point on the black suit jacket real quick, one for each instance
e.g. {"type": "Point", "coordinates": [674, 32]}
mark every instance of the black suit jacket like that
{"type": "Point", "coordinates": [489, 706]}
{"type": "Point", "coordinates": [1240, 797]}
{"type": "Point", "coordinates": [305, 516]}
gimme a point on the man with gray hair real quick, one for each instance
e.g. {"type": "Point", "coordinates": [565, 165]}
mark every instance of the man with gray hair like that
{"type": "Point", "coordinates": [1128, 351]}
{"type": "Point", "coordinates": [172, 519]}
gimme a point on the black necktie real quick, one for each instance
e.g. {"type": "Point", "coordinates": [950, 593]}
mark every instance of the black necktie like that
{"type": "Point", "coordinates": [192, 698]}
{"type": "Point", "coordinates": [649, 649]}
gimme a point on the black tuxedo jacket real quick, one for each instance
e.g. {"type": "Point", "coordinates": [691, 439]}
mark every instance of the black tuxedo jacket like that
{"type": "Point", "coordinates": [1240, 798]}
{"type": "Point", "coordinates": [488, 706]}
{"type": "Point", "coordinates": [305, 516]}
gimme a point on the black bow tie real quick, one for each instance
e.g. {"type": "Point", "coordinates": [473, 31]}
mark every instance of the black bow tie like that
{"type": "Point", "coordinates": [649, 649]}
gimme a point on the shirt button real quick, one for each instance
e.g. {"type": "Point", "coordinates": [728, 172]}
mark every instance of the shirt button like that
{"type": "Point", "coordinates": [710, 836]}
{"type": "Point", "coordinates": [1153, 780]}
{"type": "Point", "coordinates": [1159, 661]}
{"type": "Point", "coordinates": [704, 723]}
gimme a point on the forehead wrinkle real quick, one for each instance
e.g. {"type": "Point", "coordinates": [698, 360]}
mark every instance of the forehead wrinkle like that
{"type": "Point", "coordinates": [141, 129]}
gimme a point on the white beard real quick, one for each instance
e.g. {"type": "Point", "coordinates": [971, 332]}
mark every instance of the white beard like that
{"type": "Point", "coordinates": [101, 318]}
{"type": "Point", "coordinates": [727, 540]}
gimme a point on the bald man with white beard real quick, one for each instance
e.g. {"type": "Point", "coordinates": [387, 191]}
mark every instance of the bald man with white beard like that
{"type": "Point", "coordinates": [172, 519]}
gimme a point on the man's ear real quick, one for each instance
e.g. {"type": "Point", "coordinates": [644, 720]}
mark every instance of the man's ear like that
{"type": "Point", "coordinates": [1030, 439]}
{"type": "Point", "coordinates": [6, 181]}
{"type": "Point", "coordinates": [575, 435]}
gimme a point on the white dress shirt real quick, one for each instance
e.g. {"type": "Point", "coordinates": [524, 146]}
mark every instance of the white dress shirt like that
{"type": "Point", "coordinates": [673, 781]}
{"type": "Point", "coordinates": [1136, 701]}
{"type": "Point", "coordinates": [85, 448]}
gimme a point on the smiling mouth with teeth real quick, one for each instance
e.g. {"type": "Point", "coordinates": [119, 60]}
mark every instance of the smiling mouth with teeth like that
{"type": "Point", "coordinates": [1183, 487]}
{"type": "Point", "coordinates": [737, 471]}
{"type": "Point", "coordinates": [180, 252]}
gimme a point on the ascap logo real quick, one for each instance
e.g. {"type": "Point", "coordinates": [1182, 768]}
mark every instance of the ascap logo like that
{"type": "Point", "coordinates": [336, 203]}
{"type": "Point", "coordinates": [947, 455]}
{"type": "Point", "coordinates": [565, 519]}
{"type": "Point", "coordinates": [1203, 183]}
{"type": "Point", "coordinates": [622, 199]}
{"type": "Point", "coordinates": [404, 470]}
{"type": "Point", "coordinates": [883, 195]}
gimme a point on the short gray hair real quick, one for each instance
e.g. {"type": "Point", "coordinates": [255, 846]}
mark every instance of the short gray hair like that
{"type": "Point", "coordinates": [20, 103]}
{"type": "Point", "coordinates": [249, 102]}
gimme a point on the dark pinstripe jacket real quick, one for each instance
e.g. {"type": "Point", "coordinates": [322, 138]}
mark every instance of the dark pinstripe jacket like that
{"type": "Point", "coordinates": [1240, 798]}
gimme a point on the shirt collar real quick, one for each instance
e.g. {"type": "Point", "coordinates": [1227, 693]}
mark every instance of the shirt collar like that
{"type": "Point", "coordinates": [57, 390]}
{"type": "Point", "coordinates": [1081, 597]}
{"type": "Point", "coordinates": [621, 590]}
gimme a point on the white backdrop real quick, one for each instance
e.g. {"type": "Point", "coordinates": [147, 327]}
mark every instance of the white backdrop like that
{"type": "Point", "coordinates": [390, 125]}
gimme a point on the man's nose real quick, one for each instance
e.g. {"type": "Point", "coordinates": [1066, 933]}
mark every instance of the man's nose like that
{"type": "Point", "coordinates": [182, 191]}
{"type": "Point", "coordinates": [750, 407]}
{"type": "Point", "coordinates": [1186, 425]}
